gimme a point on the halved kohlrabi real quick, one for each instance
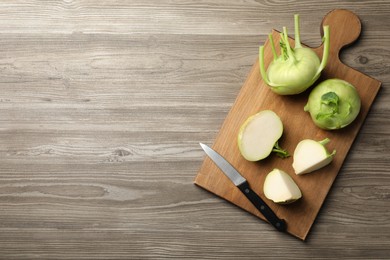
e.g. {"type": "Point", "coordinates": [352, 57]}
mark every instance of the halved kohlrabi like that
{"type": "Point", "coordinates": [259, 136]}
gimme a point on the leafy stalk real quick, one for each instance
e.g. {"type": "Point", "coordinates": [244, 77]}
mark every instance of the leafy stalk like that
{"type": "Point", "coordinates": [290, 52]}
{"type": "Point", "coordinates": [325, 53]}
{"type": "Point", "coordinates": [261, 64]}
{"type": "Point", "coordinates": [271, 40]}
{"type": "Point", "coordinates": [279, 151]}
{"type": "Point", "coordinates": [283, 48]}
{"type": "Point", "coordinates": [296, 32]}
{"type": "Point", "coordinates": [325, 141]}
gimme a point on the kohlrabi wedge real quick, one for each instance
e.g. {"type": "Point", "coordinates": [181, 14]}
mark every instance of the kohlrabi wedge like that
{"type": "Point", "coordinates": [310, 155]}
{"type": "Point", "coordinates": [259, 136]}
{"type": "Point", "coordinates": [296, 69]}
{"type": "Point", "coordinates": [333, 104]}
{"type": "Point", "coordinates": [281, 188]}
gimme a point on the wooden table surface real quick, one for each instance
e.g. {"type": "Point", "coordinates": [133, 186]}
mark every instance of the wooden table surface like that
{"type": "Point", "coordinates": [102, 107]}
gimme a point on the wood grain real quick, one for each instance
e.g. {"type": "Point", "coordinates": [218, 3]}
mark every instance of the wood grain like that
{"type": "Point", "coordinates": [256, 96]}
{"type": "Point", "coordinates": [102, 106]}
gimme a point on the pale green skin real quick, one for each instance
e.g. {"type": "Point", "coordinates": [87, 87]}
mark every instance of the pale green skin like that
{"type": "Point", "coordinates": [348, 106]}
{"type": "Point", "coordinates": [286, 76]}
{"type": "Point", "coordinates": [296, 69]}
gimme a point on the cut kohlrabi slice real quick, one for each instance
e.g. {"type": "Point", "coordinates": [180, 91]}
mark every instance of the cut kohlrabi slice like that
{"type": "Point", "coordinates": [281, 188]}
{"type": "Point", "coordinates": [259, 136]}
{"type": "Point", "coordinates": [310, 155]}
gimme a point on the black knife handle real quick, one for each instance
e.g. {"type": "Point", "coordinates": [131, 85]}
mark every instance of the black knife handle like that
{"type": "Point", "coordinates": [267, 212]}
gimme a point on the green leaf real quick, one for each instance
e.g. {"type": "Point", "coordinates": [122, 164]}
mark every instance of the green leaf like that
{"type": "Point", "coordinates": [330, 99]}
{"type": "Point", "coordinates": [322, 116]}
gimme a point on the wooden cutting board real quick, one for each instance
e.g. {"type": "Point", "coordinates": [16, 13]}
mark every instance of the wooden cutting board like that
{"type": "Point", "coordinates": [254, 96]}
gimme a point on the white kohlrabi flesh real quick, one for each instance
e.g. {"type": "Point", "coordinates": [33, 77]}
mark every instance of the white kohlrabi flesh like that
{"type": "Point", "coordinates": [310, 155]}
{"type": "Point", "coordinates": [333, 104]}
{"type": "Point", "coordinates": [296, 69]}
{"type": "Point", "coordinates": [280, 187]}
{"type": "Point", "coordinates": [259, 134]}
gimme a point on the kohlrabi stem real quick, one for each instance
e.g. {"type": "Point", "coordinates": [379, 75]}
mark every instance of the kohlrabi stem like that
{"type": "Point", "coordinates": [271, 41]}
{"type": "Point", "coordinates": [288, 47]}
{"type": "Point", "coordinates": [325, 141]}
{"type": "Point", "coordinates": [325, 53]}
{"type": "Point", "coordinates": [262, 66]}
{"type": "Point", "coordinates": [279, 151]}
{"type": "Point", "coordinates": [283, 51]}
{"type": "Point", "coordinates": [296, 32]}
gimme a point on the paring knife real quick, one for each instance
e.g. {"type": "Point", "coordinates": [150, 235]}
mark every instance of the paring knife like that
{"type": "Point", "coordinates": [243, 185]}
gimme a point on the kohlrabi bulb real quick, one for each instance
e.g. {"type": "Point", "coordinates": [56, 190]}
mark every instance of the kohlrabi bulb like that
{"type": "Point", "coordinates": [333, 104]}
{"type": "Point", "coordinates": [296, 69]}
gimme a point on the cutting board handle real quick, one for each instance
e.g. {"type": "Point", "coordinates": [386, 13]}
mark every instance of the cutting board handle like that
{"type": "Point", "coordinates": [344, 27]}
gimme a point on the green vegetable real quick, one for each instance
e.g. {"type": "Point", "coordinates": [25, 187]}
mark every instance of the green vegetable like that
{"type": "Point", "coordinates": [296, 69]}
{"type": "Point", "coordinates": [333, 104]}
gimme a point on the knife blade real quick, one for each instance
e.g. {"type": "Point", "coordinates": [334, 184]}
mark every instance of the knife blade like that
{"type": "Point", "coordinates": [241, 183]}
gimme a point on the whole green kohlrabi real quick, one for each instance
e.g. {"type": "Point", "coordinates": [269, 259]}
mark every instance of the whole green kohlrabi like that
{"type": "Point", "coordinates": [296, 69]}
{"type": "Point", "coordinates": [333, 104]}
